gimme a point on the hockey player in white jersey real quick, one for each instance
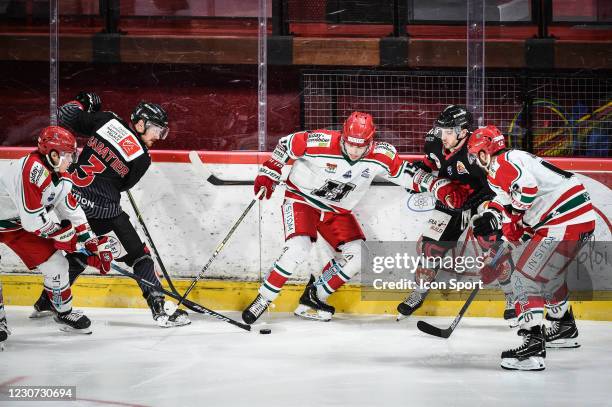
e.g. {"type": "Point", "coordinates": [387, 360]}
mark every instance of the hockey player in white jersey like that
{"type": "Point", "coordinates": [546, 213]}
{"type": "Point", "coordinates": [35, 192]}
{"type": "Point", "coordinates": [332, 171]}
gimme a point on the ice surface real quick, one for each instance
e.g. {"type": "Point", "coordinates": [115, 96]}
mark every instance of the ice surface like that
{"type": "Point", "coordinates": [351, 361]}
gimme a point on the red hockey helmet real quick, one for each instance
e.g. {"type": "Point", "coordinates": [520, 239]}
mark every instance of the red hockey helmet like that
{"type": "Point", "coordinates": [59, 139]}
{"type": "Point", "coordinates": [358, 129]}
{"type": "Point", "coordinates": [488, 139]}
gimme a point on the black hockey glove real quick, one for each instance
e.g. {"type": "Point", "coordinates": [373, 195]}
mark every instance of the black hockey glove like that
{"type": "Point", "coordinates": [421, 165]}
{"type": "Point", "coordinates": [485, 224]}
{"type": "Point", "coordinates": [90, 100]}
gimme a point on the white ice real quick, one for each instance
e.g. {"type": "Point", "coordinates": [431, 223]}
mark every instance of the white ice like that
{"type": "Point", "coordinates": [351, 361]}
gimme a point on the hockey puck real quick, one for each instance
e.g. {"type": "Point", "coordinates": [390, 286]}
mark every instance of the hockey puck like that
{"type": "Point", "coordinates": [265, 331]}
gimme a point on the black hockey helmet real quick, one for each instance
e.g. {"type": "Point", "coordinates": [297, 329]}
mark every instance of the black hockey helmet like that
{"type": "Point", "coordinates": [454, 116]}
{"type": "Point", "coordinates": [153, 115]}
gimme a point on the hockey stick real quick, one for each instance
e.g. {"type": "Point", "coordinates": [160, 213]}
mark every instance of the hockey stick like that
{"type": "Point", "coordinates": [151, 243]}
{"type": "Point", "coordinates": [211, 178]}
{"type": "Point", "coordinates": [445, 333]}
{"type": "Point", "coordinates": [187, 303]}
{"type": "Point", "coordinates": [221, 245]}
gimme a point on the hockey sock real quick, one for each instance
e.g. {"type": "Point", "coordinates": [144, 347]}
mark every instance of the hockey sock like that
{"type": "Point", "coordinates": [557, 310]}
{"type": "Point", "coordinates": [56, 282]}
{"type": "Point", "coordinates": [145, 268]}
{"type": "Point", "coordinates": [337, 273]}
{"type": "Point", "coordinates": [531, 313]}
{"type": "Point", "coordinates": [294, 253]}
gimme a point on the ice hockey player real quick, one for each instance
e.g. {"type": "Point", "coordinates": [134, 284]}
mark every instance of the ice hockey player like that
{"type": "Point", "coordinates": [113, 160]}
{"type": "Point", "coordinates": [40, 217]}
{"type": "Point", "coordinates": [332, 171]}
{"type": "Point", "coordinates": [446, 153]}
{"type": "Point", "coordinates": [547, 213]}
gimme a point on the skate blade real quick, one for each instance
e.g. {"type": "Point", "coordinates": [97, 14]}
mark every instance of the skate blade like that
{"type": "Point", "coordinates": [533, 363]}
{"type": "Point", "coordinates": [40, 314]}
{"type": "Point", "coordinates": [71, 330]}
{"type": "Point", "coordinates": [571, 343]}
{"type": "Point", "coordinates": [1, 347]}
{"type": "Point", "coordinates": [306, 312]}
{"type": "Point", "coordinates": [164, 322]}
{"type": "Point", "coordinates": [512, 322]}
{"type": "Point", "coordinates": [401, 317]}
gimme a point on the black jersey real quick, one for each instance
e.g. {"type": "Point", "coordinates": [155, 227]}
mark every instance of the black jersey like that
{"type": "Point", "coordinates": [458, 166]}
{"type": "Point", "coordinates": [113, 160]}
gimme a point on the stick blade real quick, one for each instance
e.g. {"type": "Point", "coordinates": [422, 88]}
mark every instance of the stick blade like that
{"type": "Point", "coordinates": [434, 330]}
{"type": "Point", "coordinates": [198, 165]}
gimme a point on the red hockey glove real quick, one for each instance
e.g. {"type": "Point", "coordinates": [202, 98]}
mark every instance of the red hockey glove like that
{"type": "Point", "coordinates": [102, 254]}
{"type": "Point", "coordinates": [491, 272]}
{"type": "Point", "coordinates": [514, 230]}
{"type": "Point", "coordinates": [268, 178]}
{"type": "Point", "coordinates": [65, 238]}
{"type": "Point", "coordinates": [450, 193]}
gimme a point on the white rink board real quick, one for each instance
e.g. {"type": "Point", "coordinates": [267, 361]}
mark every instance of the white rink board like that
{"type": "Point", "coordinates": [188, 217]}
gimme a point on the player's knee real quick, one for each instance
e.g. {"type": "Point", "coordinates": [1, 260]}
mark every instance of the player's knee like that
{"type": "Point", "coordinates": [351, 250]}
{"type": "Point", "coordinates": [135, 255]}
{"type": "Point", "coordinates": [297, 248]}
{"type": "Point", "coordinates": [56, 264]}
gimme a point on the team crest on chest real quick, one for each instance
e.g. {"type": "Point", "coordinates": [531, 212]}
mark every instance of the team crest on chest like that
{"type": "Point", "coordinates": [331, 168]}
{"type": "Point", "coordinates": [461, 168]}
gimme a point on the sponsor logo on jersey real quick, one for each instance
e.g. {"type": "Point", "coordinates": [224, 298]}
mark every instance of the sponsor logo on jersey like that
{"type": "Point", "coordinates": [435, 159]}
{"type": "Point", "coordinates": [386, 149]}
{"type": "Point", "coordinates": [461, 168]}
{"type": "Point", "coordinates": [289, 219]}
{"type": "Point", "coordinates": [318, 140]}
{"type": "Point", "coordinates": [38, 174]}
{"type": "Point", "coordinates": [331, 168]}
{"type": "Point", "coordinates": [51, 197]}
{"type": "Point", "coordinates": [347, 174]}
{"type": "Point", "coordinates": [421, 202]}
{"type": "Point", "coordinates": [122, 139]}
{"type": "Point", "coordinates": [449, 169]}
{"type": "Point", "coordinates": [365, 173]}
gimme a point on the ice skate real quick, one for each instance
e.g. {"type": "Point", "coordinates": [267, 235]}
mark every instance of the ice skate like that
{"type": "Point", "coordinates": [156, 303]}
{"type": "Point", "coordinates": [530, 355]}
{"type": "Point", "coordinates": [311, 306]}
{"type": "Point", "coordinates": [254, 311]}
{"type": "Point", "coordinates": [73, 321]}
{"type": "Point", "coordinates": [4, 333]}
{"type": "Point", "coordinates": [510, 312]}
{"type": "Point", "coordinates": [42, 307]}
{"type": "Point", "coordinates": [412, 303]}
{"type": "Point", "coordinates": [563, 332]}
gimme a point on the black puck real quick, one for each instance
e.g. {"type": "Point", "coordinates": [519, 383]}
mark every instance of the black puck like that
{"type": "Point", "coordinates": [265, 331]}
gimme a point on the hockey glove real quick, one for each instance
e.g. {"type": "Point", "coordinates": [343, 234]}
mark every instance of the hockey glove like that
{"type": "Point", "coordinates": [450, 193]}
{"type": "Point", "coordinates": [268, 177]}
{"type": "Point", "coordinates": [91, 101]}
{"type": "Point", "coordinates": [64, 238]}
{"type": "Point", "coordinates": [514, 229]}
{"type": "Point", "coordinates": [102, 255]}
{"type": "Point", "coordinates": [486, 223]}
{"type": "Point", "coordinates": [490, 272]}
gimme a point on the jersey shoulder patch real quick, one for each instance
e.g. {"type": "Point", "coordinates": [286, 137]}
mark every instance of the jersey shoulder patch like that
{"type": "Point", "coordinates": [317, 139]}
{"type": "Point", "coordinates": [38, 173]}
{"type": "Point", "coordinates": [122, 138]}
{"type": "Point", "coordinates": [386, 149]}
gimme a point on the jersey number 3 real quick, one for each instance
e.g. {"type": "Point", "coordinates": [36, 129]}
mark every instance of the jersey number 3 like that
{"type": "Point", "coordinates": [334, 190]}
{"type": "Point", "coordinates": [95, 166]}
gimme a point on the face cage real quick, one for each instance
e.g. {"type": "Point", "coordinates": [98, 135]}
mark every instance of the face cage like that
{"type": "Point", "coordinates": [161, 131]}
{"type": "Point", "coordinates": [365, 152]}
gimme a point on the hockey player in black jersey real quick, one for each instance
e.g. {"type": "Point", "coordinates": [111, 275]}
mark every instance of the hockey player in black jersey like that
{"type": "Point", "coordinates": [114, 159]}
{"type": "Point", "coordinates": [446, 153]}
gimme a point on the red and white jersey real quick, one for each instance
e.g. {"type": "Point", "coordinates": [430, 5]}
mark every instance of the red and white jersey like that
{"type": "Point", "coordinates": [324, 178]}
{"type": "Point", "coordinates": [548, 195]}
{"type": "Point", "coordinates": [28, 191]}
